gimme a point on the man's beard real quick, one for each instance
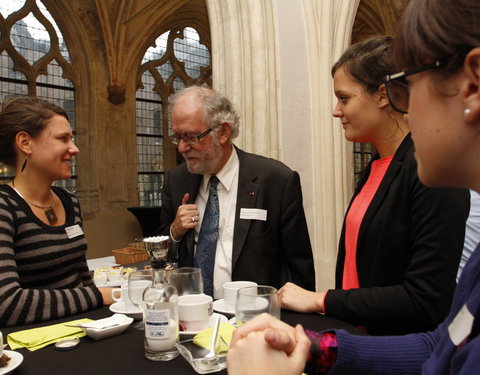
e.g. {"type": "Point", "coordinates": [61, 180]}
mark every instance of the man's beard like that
{"type": "Point", "coordinates": [207, 163]}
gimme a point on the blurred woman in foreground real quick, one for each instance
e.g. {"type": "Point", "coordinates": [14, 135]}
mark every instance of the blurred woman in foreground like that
{"type": "Point", "coordinates": [439, 88]}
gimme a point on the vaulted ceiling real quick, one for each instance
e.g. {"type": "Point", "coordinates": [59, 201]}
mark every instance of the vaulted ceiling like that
{"type": "Point", "coordinates": [376, 17]}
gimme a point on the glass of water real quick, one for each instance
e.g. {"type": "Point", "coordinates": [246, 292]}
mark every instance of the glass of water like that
{"type": "Point", "coordinates": [138, 281]}
{"type": "Point", "coordinates": [187, 280]}
{"type": "Point", "coordinates": [255, 300]}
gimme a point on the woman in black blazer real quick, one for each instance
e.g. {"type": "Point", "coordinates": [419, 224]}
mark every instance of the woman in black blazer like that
{"type": "Point", "coordinates": [401, 242]}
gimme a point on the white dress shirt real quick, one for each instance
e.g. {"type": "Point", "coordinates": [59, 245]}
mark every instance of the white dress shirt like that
{"type": "Point", "coordinates": [472, 231]}
{"type": "Point", "coordinates": [227, 197]}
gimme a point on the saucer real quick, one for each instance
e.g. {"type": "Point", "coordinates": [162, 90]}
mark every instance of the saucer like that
{"type": "Point", "coordinates": [223, 319]}
{"type": "Point", "coordinates": [119, 307]}
{"type": "Point", "coordinates": [15, 360]}
{"type": "Point", "coordinates": [233, 322]}
{"type": "Point", "coordinates": [195, 355]}
{"type": "Point", "coordinates": [219, 306]}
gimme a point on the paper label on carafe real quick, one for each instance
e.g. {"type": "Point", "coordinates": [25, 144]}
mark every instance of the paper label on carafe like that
{"type": "Point", "coordinates": [158, 254]}
{"type": "Point", "coordinates": [157, 324]}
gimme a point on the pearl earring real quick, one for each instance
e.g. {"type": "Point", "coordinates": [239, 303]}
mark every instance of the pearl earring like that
{"type": "Point", "coordinates": [467, 112]}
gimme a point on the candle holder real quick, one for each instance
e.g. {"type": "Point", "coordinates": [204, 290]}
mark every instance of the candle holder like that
{"type": "Point", "coordinates": [157, 249]}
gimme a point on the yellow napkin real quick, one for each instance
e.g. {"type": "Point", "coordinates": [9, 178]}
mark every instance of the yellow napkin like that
{"type": "Point", "coordinates": [37, 338]}
{"type": "Point", "coordinates": [225, 331]}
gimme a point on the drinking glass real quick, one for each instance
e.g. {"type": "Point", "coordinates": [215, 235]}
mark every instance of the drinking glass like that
{"type": "Point", "coordinates": [255, 300]}
{"type": "Point", "coordinates": [137, 282]}
{"type": "Point", "coordinates": [187, 280]}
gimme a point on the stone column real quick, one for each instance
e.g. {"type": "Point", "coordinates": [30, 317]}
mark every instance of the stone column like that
{"type": "Point", "coordinates": [244, 68]}
{"type": "Point", "coordinates": [273, 59]}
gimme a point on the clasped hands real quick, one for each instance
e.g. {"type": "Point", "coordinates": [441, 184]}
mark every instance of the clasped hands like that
{"type": "Point", "coordinates": [266, 345]}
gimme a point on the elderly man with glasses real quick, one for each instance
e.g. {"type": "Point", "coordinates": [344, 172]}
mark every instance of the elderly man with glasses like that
{"type": "Point", "coordinates": [236, 215]}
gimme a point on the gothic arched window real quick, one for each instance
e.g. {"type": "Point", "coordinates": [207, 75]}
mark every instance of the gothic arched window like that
{"type": "Point", "coordinates": [33, 61]}
{"type": "Point", "coordinates": [179, 59]}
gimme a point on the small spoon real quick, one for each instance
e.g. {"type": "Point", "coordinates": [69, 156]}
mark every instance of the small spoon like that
{"type": "Point", "coordinates": [90, 326]}
{"type": "Point", "coordinates": [212, 353]}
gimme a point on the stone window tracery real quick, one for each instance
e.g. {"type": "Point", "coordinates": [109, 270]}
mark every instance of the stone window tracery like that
{"type": "Point", "coordinates": [179, 59]}
{"type": "Point", "coordinates": [34, 61]}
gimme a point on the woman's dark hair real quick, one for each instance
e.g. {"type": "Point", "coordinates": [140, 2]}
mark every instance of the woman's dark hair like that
{"type": "Point", "coordinates": [437, 29]}
{"type": "Point", "coordinates": [27, 114]}
{"type": "Point", "coordinates": [368, 62]}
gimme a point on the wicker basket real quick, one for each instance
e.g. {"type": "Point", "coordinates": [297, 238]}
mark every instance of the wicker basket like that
{"type": "Point", "coordinates": [129, 255]}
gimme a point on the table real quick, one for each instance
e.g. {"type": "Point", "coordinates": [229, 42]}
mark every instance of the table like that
{"type": "Point", "coordinates": [123, 354]}
{"type": "Point", "coordinates": [101, 262]}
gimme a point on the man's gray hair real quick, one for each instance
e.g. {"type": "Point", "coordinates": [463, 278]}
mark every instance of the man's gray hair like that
{"type": "Point", "coordinates": [217, 108]}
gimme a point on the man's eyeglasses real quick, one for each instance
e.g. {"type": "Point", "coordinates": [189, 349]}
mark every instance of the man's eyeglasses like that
{"type": "Point", "coordinates": [189, 139]}
{"type": "Point", "coordinates": [397, 86]}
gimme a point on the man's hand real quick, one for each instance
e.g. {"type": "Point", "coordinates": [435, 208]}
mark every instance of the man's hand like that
{"type": "Point", "coordinates": [187, 218]}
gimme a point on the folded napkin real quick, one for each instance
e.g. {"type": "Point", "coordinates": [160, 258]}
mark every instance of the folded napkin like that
{"type": "Point", "coordinates": [225, 332]}
{"type": "Point", "coordinates": [37, 338]}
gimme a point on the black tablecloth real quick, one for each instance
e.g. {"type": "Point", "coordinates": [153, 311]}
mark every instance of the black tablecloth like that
{"type": "Point", "coordinates": [124, 354]}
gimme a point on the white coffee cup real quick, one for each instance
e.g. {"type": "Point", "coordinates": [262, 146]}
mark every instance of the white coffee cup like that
{"type": "Point", "coordinates": [121, 295]}
{"type": "Point", "coordinates": [194, 311]}
{"type": "Point", "coordinates": [230, 291]}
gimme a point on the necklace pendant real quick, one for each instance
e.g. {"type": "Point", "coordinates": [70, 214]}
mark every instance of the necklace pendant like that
{"type": "Point", "coordinates": [51, 216]}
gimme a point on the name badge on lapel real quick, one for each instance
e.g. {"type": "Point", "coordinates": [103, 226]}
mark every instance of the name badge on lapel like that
{"type": "Point", "coordinates": [74, 231]}
{"type": "Point", "coordinates": [253, 214]}
{"type": "Point", "coordinates": [461, 326]}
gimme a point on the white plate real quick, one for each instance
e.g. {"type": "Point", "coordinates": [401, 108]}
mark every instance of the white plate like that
{"type": "Point", "coordinates": [223, 319]}
{"type": "Point", "coordinates": [122, 320]}
{"type": "Point", "coordinates": [119, 307]}
{"type": "Point", "coordinates": [219, 306]}
{"type": "Point", "coordinates": [15, 360]}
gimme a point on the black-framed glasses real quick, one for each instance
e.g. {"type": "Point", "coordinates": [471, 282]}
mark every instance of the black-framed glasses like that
{"type": "Point", "coordinates": [397, 86]}
{"type": "Point", "coordinates": [189, 139]}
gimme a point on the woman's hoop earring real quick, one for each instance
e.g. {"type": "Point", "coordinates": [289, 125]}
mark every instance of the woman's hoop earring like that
{"type": "Point", "coordinates": [467, 112]}
{"type": "Point", "coordinates": [24, 164]}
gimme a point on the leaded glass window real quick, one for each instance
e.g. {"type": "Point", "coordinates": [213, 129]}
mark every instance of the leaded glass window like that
{"type": "Point", "coordinates": [177, 60]}
{"type": "Point", "coordinates": [362, 154]}
{"type": "Point", "coordinates": [30, 64]}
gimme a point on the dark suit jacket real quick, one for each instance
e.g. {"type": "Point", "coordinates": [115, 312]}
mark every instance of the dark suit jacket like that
{"type": "Point", "coordinates": [269, 252]}
{"type": "Point", "coordinates": [408, 251]}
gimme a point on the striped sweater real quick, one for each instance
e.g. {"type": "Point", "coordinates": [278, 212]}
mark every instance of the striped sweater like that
{"type": "Point", "coordinates": [43, 272]}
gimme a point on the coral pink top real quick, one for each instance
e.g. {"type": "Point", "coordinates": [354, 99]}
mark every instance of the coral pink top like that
{"type": "Point", "coordinates": [355, 217]}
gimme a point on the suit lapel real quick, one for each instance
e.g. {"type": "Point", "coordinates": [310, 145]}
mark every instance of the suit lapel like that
{"type": "Point", "coordinates": [246, 198]}
{"type": "Point", "coordinates": [193, 185]}
{"type": "Point", "coordinates": [382, 191]}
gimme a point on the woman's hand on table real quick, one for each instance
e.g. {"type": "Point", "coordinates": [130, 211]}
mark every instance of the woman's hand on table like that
{"type": "Point", "coordinates": [254, 351]}
{"type": "Point", "coordinates": [107, 296]}
{"type": "Point", "coordinates": [294, 298]}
